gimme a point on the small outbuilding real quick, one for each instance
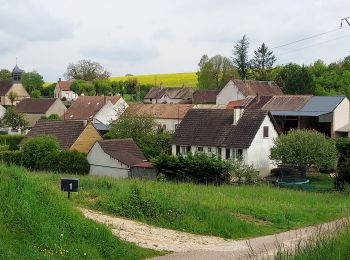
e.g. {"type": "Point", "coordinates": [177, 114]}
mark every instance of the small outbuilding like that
{"type": "Point", "coordinates": [119, 158]}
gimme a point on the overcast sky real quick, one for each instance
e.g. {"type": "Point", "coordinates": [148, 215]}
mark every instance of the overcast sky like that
{"type": "Point", "coordinates": [165, 36]}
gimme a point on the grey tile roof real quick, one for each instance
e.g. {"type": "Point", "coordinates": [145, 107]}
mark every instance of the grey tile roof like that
{"type": "Point", "coordinates": [35, 105]}
{"type": "Point", "coordinates": [322, 103]}
{"type": "Point", "coordinates": [176, 93]}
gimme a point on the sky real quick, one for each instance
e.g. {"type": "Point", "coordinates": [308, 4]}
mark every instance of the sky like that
{"type": "Point", "coordinates": [165, 36]}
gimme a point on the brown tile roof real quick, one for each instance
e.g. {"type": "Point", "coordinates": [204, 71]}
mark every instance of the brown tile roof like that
{"type": "Point", "coordinates": [86, 107]}
{"type": "Point", "coordinates": [166, 111]}
{"type": "Point", "coordinates": [67, 132]}
{"type": "Point", "coordinates": [64, 85]}
{"type": "Point", "coordinates": [234, 103]}
{"type": "Point", "coordinates": [209, 127]}
{"type": "Point", "coordinates": [253, 87]}
{"type": "Point", "coordinates": [258, 102]}
{"type": "Point", "coordinates": [5, 86]}
{"type": "Point", "coordinates": [35, 105]}
{"type": "Point", "coordinates": [205, 96]}
{"type": "Point", "coordinates": [123, 150]}
{"type": "Point", "coordinates": [176, 93]}
{"type": "Point", "coordinates": [287, 102]}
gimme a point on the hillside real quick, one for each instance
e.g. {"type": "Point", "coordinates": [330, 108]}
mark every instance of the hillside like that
{"type": "Point", "coordinates": [169, 80]}
{"type": "Point", "coordinates": [38, 222]}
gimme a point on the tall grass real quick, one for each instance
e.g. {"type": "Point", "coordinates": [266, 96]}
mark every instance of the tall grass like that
{"type": "Point", "coordinates": [226, 211]}
{"type": "Point", "coordinates": [37, 222]}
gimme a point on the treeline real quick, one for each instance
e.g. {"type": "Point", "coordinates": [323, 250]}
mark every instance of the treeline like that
{"type": "Point", "coordinates": [318, 78]}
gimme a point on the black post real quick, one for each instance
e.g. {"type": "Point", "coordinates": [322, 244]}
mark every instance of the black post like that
{"type": "Point", "coordinates": [69, 195]}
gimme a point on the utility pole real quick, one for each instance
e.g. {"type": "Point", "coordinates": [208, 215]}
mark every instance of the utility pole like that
{"type": "Point", "coordinates": [346, 19]}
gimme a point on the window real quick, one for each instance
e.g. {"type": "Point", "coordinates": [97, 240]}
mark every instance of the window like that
{"type": "Point", "coordinates": [227, 153]}
{"type": "Point", "coordinates": [177, 150]}
{"type": "Point", "coordinates": [164, 127]}
{"type": "Point", "coordinates": [185, 149]}
{"type": "Point", "coordinates": [266, 131]}
{"type": "Point", "coordinates": [219, 152]}
{"type": "Point", "coordinates": [200, 148]}
{"type": "Point", "coordinates": [150, 99]}
{"type": "Point", "coordinates": [236, 153]}
{"type": "Point", "coordinates": [209, 149]}
{"type": "Point", "coordinates": [176, 125]}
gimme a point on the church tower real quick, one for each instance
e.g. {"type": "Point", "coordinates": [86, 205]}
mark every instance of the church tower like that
{"type": "Point", "coordinates": [16, 74]}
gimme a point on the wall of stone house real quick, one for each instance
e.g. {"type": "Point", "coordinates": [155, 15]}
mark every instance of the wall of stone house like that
{"type": "Point", "coordinates": [87, 139]}
{"type": "Point", "coordinates": [19, 90]}
{"type": "Point", "coordinates": [33, 118]}
{"type": "Point", "coordinates": [57, 108]}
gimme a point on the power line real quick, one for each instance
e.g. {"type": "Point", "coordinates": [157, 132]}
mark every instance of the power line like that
{"type": "Point", "coordinates": [304, 39]}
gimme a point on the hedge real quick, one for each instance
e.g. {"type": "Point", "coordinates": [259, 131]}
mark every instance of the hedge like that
{"type": "Point", "coordinates": [12, 157]}
{"type": "Point", "coordinates": [11, 140]}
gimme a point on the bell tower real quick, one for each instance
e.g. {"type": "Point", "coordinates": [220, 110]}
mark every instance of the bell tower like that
{"type": "Point", "coordinates": [16, 74]}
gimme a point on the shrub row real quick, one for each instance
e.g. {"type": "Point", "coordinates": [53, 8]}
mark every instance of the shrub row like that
{"type": "Point", "coordinates": [11, 140]}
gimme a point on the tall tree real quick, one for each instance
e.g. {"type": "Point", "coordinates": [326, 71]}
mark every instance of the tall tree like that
{"type": "Point", "coordinates": [262, 62]}
{"type": "Point", "coordinates": [32, 81]}
{"type": "Point", "coordinates": [5, 74]}
{"type": "Point", "coordinates": [13, 119]}
{"type": "Point", "coordinates": [83, 87]}
{"type": "Point", "coordinates": [240, 56]}
{"type": "Point", "coordinates": [12, 97]}
{"type": "Point", "coordinates": [86, 70]}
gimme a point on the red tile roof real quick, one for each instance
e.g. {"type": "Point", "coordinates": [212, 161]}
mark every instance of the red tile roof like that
{"type": "Point", "coordinates": [205, 96]}
{"type": "Point", "coordinates": [86, 107]}
{"type": "Point", "coordinates": [253, 87]}
{"type": "Point", "coordinates": [176, 93]}
{"type": "Point", "coordinates": [64, 85]}
{"type": "Point", "coordinates": [35, 105]}
{"type": "Point", "coordinates": [166, 111]}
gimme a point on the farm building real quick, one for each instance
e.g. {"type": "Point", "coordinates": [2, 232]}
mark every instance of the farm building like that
{"type": "Point", "coordinates": [119, 158]}
{"type": "Point", "coordinates": [228, 134]}
{"type": "Point", "coordinates": [169, 95]}
{"type": "Point", "coordinates": [35, 109]}
{"type": "Point", "coordinates": [77, 135]}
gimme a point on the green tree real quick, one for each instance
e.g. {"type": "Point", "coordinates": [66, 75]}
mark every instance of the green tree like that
{"type": "Point", "coordinates": [262, 62]}
{"type": "Point", "coordinates": [305, 148]}
{"type": "Point", "coordinates": [102, 87]}
{"type": "Point", "coordinates": [35, 93]}
{"type": "Point", "coordinates": [5, 74]}
{"type": "Point", "coordinates": [53, 117]}
{"type": "Point", "coordinates": [117, 87]}
{"type": "Point", "coordinates": [12, 97]}
{"type": "Point", "coordinates": [13, 119]}
{"type": "Point", "coordinates": [240, 57]}
{"type": "Point", "coordinates": [32, 81]}
{"type": "Point", "coordinates": [295, 79]}
{"type": "Point", "coordinates": [131, 85]}
{"type": "Point", "coordinates": [86, 70]}
{"type": "Point", "coordinates": [49, 91]}
{"type": "Point", "coordinates": [204, 74]}
{"type": "Point", "coordinates": [83, 87]}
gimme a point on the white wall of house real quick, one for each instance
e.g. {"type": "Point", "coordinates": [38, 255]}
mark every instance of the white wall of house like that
{"type": "Point", "coordinates": [341, 115]}
{"type": "Point", "coordinates": [229, 93]}
{"type": "Point", "coordinates": [110, 112]}
{"type": "Point", "coordinates": [69, 95]}
{"type": "Point", "coordinates": [101, 164]}
{"type": "Point", "coordinates": [259, 151]}
{"type": "Point", "coordinates": [168, 125]}
{"type": "Point", "coordinates": [163, 99]}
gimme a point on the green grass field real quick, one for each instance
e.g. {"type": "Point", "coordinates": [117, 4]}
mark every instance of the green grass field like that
{"type": "Point", "coordinates": [226, 211]}
{"type": "Point", "coordinates": [38, 222]}
{"type": "Point", "coordinates": [168, 80]}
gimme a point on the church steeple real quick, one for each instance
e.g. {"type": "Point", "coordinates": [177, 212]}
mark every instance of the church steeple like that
{"type": "Point", "coordinates": [16, 74]}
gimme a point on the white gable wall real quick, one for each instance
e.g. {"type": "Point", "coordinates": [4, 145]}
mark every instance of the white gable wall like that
{"type": "Point", "coordinates": [101, 164]}
{"type": "Point", "coordinates": [260, 149]}
{"type": "Point", "coordinates": [341, 115]}
{"type": "Point", "coordinates": [110, 112]}
{"type": "Point", "coordinates": [229, 93]}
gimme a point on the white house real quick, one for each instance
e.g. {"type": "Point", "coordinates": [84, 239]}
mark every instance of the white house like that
{"type": "Point", "coordinates": [168, 116]}
{"type": "Point", "coordinates": [63, 91]}
{"type": "Point", "coordinates": [240, 89]}
{"type": "Point", "coordinates": [119, 158]}
{"type": "Point", "coordinates": [99, 109]}
{"type": "Point", "coordinates": [238, 133]}
{"type": "Point", "coordinates": [169, 95]}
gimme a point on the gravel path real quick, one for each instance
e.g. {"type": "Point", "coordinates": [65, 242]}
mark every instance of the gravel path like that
{"type": "Point", "coordinates": [190, 246]}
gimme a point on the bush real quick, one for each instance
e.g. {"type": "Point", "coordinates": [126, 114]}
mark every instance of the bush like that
{"type": "Point", "coordinates": [36, 149]}
{"type": "Point", "coordinates": [198, 168]}
{"type": "Point", "coordinates": [11, 140]}
{"type": "Point", "coordinates": [12, 157]}
{"type": "Point", "coordinates": [242, 173]}
{"type": "Point", "coordinates": [343, 147]}
{"type": "Point", "coordinates": [66, 162]}
{"type": "Point", "coordinates": [53, 117]}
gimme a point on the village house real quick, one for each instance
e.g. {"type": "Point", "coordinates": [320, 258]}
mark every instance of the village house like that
{"type": "Point", "coordinates": [240, 89]}
{"type": "Point", "coordinates": [78, 135]}
{"type": "Point", "coordinates": [228, 134]}
{"type": "Point", "coordinates": [168, 116]}
{"type": "Point", "coordinates": [34, 109]}
{"type": "Point", "coordinates": [101, 110]}
{"type": "Point", "coordinates": [63, 91]}
{"type": "Point", "coordinates": [15, 86]}
{"type": "Point", "coordinates": [329, 115]}
{"type": "Point", "coordinates": [169, 95]}
{"type": "Point", "coordinates": [205, 96]}
{"type": "Point", "coordinates": [119, 158]}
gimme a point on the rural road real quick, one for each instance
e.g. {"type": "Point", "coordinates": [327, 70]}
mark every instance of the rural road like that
{"type": "Point", "coordinates": [190, 246]}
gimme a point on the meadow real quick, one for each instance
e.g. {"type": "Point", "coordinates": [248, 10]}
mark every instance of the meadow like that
{"type": "Point", "coordinates": [38, 222]}
{"type": "Point", "coordinates": [226, 211]}
{"type": "Point", "coordinates": [168, 80]}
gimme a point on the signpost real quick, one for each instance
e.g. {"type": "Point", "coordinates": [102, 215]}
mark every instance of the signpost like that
{"type": "Point", "coordinates": [69, 185]}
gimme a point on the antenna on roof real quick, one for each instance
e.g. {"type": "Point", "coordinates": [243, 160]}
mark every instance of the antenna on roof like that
{"type": "Point", "coordinates": [16, 60]}
{"type": "Point", "coordinates": [346, 20]}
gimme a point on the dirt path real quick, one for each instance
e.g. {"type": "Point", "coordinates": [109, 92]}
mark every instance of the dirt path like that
{"type": "Point", "coordinates": [190, 246]}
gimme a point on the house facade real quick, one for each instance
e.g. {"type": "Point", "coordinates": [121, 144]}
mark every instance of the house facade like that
{"type": "Point", "coordinates": [229, 134]}
{"type": "Point", "coordinates": [240, 89]}
{"type": "Point", "coordinates": [63, 91]}
{"type": "Point", "coordinates": [15, 86]}
{"type": "Point", "coordinates": [98, 109]}
{"type": "Point", "coordinates": [78, 135]}
{"type": "Point", "coordinates": [168, 116]}
{"type": "Point", "coordinates": [169, 95]}
{"type": "Point", "coordinates": [119, 158]}
{"type": "Point", "coordinates": [35, 109]}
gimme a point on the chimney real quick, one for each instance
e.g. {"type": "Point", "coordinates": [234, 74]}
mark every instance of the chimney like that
{"type": "Point", "coordinates": [257, 97]}
{"type": "Point", "coordinates": [105, 99]}
{"type": "Point", "coordinates": [161, 85]}
{"type": "Point", "coordinates": [85, 122]}
{"type": "Point", "coordinates": [59, 79]}
{"type": "Point", "coordinates": [237, 113]}
{"type": "Point", "coordinates": [270, 83]}
{"type": "Point", "coordinates": [232, 77]}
